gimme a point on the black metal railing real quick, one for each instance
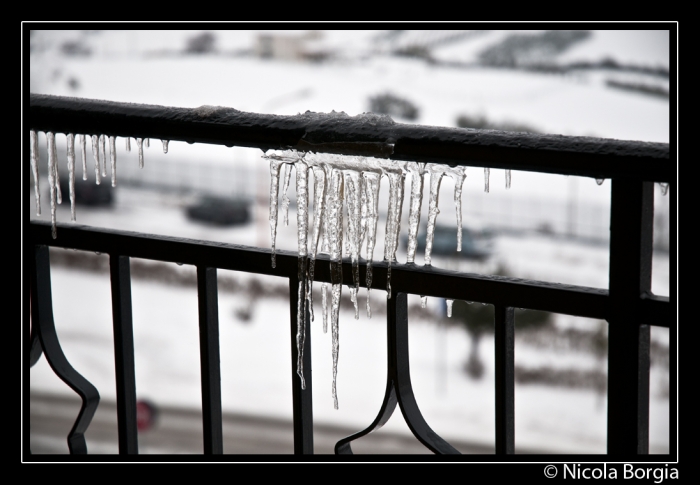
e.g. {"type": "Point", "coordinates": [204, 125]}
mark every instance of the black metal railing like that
{"type": "Point", "coordinates": [627, 304]}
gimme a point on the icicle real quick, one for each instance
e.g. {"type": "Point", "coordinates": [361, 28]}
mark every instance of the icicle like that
{"type": "Point", "coordinates": [127, 144]}
{"type": "Point", "coordinates": [302, 229]}
{"type": "Point", "coordinates": [353, 191]}
{"type": "Point", "coordinates": [458, 174]}
{"type": "Point", "coordinates": [96, 155]}
{"type": "Point", "coordinates": [326, 246]}
{"type": "Point", "coordinates": [34, 157]}
{"type": "Point", "coordinates": [416, 170]}
{"type": "Point", "coordinates": [393, 222]}
{"type": "Point", "coordinates": [139, 143]}
{"type": "Point", "coordinates": [487, 173]}
{"type": "Point", "coordinates": [599, 181]}
{"type": "Point", "coordinates": [52, 179]}
{"type": "Point", "coordinates": [57, 181]}
{"type": "Point", "coordinates": [449, 308]}
{"type": "Point", "coordinates": [275, 166]}
{"type": "Point", "coordinates": [335, 226]}
{"type": "Point", "coordinates": [423, 301]}
{"type": "Point", "coordinates": [664, 188]}
{"type": "Point", "coordinates": [103, 145]}
{"type": "Point", "coordinates": [148, 143]}
{"type": "Point", "coordinates": [508, 179]}
{"type": "Point", "coordinates": [165, 145]}
{"type": "Point", "coordinates": [285, 199]}
{"type": "Point", "coordinates": [70, 155]}
{"type": "Point", "coordinates": [319, 195]}
{"type": "Point", "coordinates": [81, 138]}
{"type": "Point", "coordinates": [113, 160]}
{"type": "Point", "coordinates": [433, 211]}
{"type": "Point", "coordinates": [372, 182]}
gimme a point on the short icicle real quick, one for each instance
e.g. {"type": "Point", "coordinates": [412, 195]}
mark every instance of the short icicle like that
{"type": "Point", "coordinates": [599, 181]}
{"type": "Point", "coordinates": [275, 166]}
{"type": "Point", "coordinates": [96, 156]}
{"type": "Point", "coordinates": [449, 308]}
{"type": "Point", "coordinates": [127, 143]}
{"type": "Point", "coordinates": [103, 144]}
{"type": "Point", "coordinates": [302, 171]}
{"type": "Point", "coordinates": [81, 139]}
{"type": "Point", "coordinates": [70, 155]}
{"type": "Point", "coordinates": [165, 145]}
{"type": "Point", "coordinates": [416, 170]}
{"type": "Point", "coordinates": [423, 301]}
{"type": "Point", "coordinates": [51, 141]}
{"type": "Point", "coordinates": [285, 199]}
{"type": "Point", "coordinates": [34, 158]}
{"type": "Point", "coordinates": [57, 182]}
{"type": "Point", "coordinates": [113, 160]}
{"type": "Point", "coordinates": [664, 188]}
{"type": "Point", "coordinates": [508, 179]}
{"type": "Point", "coordinates": [436, 175]}
{"type": "Point", "coordinates": [458, 174]}
{"type": "Point", "coordinates": [487, 173]}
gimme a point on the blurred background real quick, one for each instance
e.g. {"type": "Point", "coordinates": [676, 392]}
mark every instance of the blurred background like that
{"type": "Point", "coordinates": [611, 84]}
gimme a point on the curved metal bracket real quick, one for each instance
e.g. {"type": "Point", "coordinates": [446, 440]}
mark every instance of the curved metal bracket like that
{"type": "Point", "coordinates": [398, 388]}
{"type": "Point", "coordinates": [42, 313]}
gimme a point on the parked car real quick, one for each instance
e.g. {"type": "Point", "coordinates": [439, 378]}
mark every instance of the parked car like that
{"type": "Point", "coordinates": [475, 245]}
{"type": "Point", "coordinates": [87, 192]}
{"type": "Point", "coordinates": [220, 211]}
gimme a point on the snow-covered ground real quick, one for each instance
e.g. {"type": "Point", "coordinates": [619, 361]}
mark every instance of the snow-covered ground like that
{"type": "Point", "coordinates": [256, 353]}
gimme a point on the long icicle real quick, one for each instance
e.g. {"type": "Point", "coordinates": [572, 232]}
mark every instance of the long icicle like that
{"type": "Point", "coordinates": [372, 181]}
{"type": "Point", "coordinates": [139, 143]}
{"type": "Point", "coordinates": [335, 226]}
{"type": "Point", "coordinates": [34, 157]}
{"type": "Point", "coordinates": [352, 189]}
{"type": "Point", "coordinates": [302, 171]}
{"type": "Point", "coordinates": [70, 155]}
{"type": "Point", "coordinates": [319, 196]}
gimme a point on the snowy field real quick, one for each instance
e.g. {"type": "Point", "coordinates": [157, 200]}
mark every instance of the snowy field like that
{"type": "Point", "coordinates": [255, 353]}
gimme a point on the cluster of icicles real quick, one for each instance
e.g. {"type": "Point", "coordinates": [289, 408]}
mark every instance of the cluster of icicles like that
{"type": "Point", "coordinates": [355, 180]}
{"type": "Point", "coordinates": [99, 153]}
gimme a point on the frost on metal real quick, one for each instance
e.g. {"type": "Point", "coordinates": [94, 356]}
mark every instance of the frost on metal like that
{"type": "Point", "coordinates": [345, 217]}
{"type": "Point", "coordinates": [99, 153]}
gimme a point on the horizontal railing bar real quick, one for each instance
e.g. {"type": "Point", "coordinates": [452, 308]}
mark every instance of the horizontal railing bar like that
{"type": "Point", "coordinates": [357, 135]}
{"type": "Point", "coordinates": [407, 278]}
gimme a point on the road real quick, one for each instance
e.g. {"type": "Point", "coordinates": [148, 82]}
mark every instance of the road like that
{"type": "Point", "coordinates": [179, 431]}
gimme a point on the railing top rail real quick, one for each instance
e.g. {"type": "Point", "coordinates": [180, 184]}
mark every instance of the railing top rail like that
{"type": "Point", "coordinates": [367, 134]}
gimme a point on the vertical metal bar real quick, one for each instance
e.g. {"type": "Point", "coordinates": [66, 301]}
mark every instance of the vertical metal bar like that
{"type": "Point", "coordinates": [505, 380]}
{"type": "Point", "coordinates": [302, 398]}
{"type": "Point", "coordinates": [124, 353]}
{"type": "Point", "coordinates": [210, 360]}
{"type": "Point", "coordinates": [631, 236]}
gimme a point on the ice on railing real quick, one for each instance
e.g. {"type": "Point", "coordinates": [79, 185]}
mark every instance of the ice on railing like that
{"type": "Point", "coordinates": [99, 153]}
{"type": "Point", "coordinates": [348, 186]}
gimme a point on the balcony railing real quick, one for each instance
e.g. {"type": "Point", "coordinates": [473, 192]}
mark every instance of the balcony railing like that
{"type": "Point", "coordinates": [627, 304]}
